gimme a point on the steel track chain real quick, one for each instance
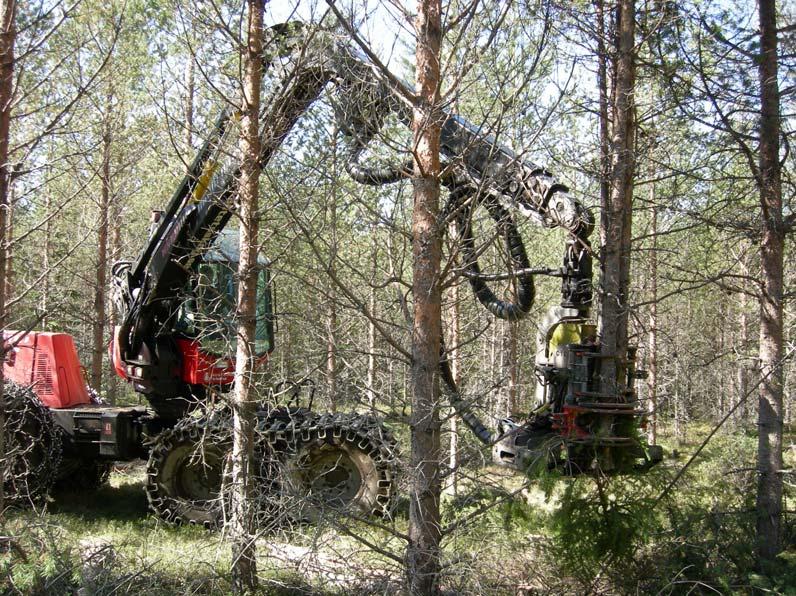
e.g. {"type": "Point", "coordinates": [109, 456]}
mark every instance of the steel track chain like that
{"type": "Point", "coordinates": [361, 432]}
{"type": "Point", "coordinates": [281, 435]}
{"type": "Point", "coordinates": [32, 453]}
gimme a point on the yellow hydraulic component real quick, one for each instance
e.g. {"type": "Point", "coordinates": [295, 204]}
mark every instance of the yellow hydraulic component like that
{"type": "Point", "coordinates": [564, 334]}
{"type": "Point", "coordinates": [202, 184]}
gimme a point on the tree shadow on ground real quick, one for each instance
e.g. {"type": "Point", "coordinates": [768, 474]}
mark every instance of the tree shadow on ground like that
{"type": "Point", "coordinates": [123, 501]}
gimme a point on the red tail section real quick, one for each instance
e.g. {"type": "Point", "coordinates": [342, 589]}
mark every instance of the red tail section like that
{"type": "Point", "coordinates": [48, 362]}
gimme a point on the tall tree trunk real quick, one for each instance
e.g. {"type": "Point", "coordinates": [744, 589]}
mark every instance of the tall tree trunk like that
{"type": "Point", "coordinates": [743, 357]}
{"type": "Point", "coordinates": [7, 38]}
{"type": "Point", "coordinates": [244, 566]}
{"type": "Point", "coordinates": [602, 85]}
{"type": "Point", "coordinates": [512, 367]}
{"type": "Point", "coordinates": [44, 303]}
{"type": "Point", "coordinates": [616, 214]}
{"type": "Point", "coordinates": [423, 549]}
{"type": "Point", "coordinates": [331, 321]}
{"type": "Point", "coordinates": [189, 94]}
{"type": "Point", "coordinates": [331, 353]}
{"type": "Point", "coordinates": [101, 280]}
{"type": "Point", "coordinates": [115, 254]}
{"type": "Point", "coordinates": [769, 421]}
{"type": "Point", "coordinates": [371, 381]}
{"type": "Point", "coordinates": [652, 340]}
{"type": "Point", "coordinates": [9, 235]}
{"type": "Point", "coordinates": [453, 356]}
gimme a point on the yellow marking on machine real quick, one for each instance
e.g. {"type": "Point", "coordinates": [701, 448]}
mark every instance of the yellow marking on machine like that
{"type": "Point", "coordinates": [203, 182]}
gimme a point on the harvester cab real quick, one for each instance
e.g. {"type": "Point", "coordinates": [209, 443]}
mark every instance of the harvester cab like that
{"type": "Point", "coordinates": [198, 332]}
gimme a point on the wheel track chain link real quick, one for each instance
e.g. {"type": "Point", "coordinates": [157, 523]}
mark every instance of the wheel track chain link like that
{"type": "Point", "coordinates": [281, 435]}
{"type": "Point", "coordinates": [361, 431]}
{"type": "Point", "coordinates": [211, 429]}
{"type": "Point", "coordinates": [32, 447]}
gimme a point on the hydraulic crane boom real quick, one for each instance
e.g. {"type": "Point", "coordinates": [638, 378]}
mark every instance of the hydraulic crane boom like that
{"type": "Point", "coordinates": [151, 349]}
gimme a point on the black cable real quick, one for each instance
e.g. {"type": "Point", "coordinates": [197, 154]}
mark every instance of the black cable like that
{"type": "Point", "coordinates": [461, 204]}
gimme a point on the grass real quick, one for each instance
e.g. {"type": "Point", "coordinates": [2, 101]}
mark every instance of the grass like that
{"type": "Point", "coordinates": [699, 539]}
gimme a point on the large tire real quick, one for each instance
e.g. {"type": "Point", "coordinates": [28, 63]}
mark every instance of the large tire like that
{"type": "Point", "coordinates": [185, 471]}
{"type": "Point", "coordinates": [32, 451]}
{"type": "Point", "coordinates": [341, 463]}
{"type": "Point", "coordinates": [305, 464]}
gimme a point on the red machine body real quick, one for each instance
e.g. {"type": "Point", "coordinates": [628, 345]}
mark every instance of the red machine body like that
{"type": "Point", "coordinates": [201, 368]}
{"type": "Point", "coordinates": [197, 367]}
{"type": "Point", "coordinates": [48, 362]}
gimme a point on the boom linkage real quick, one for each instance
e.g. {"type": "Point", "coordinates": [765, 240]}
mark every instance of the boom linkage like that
{"type": "Point", "coordinates": [299, 63]}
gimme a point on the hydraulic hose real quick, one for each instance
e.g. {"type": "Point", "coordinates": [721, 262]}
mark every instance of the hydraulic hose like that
{"type": "Point", "coordinates": [461, 204]}
{"type": "Point", "coordinates": [462, 408]}
{"type": "Point", "coordinates": [375, 176]}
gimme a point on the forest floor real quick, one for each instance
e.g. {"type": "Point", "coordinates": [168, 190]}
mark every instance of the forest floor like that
{"type": "Point", "coordinates": [555, 536]}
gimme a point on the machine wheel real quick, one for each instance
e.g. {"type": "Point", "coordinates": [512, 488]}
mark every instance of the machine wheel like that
{"type": "Point", "coordinates": [341, 462]}
{"type": "Point", "coordinates": [32, 452]}
{"type": "Point", "coordinates": [185, 471]}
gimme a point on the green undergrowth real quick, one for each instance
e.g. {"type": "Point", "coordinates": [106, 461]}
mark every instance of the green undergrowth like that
{"type": "Point", "coordinates": [149, 557]}
{"type": "Point", "coordinates": [646, 535]}
{"type": "Point", "coordinates": [552, 535]}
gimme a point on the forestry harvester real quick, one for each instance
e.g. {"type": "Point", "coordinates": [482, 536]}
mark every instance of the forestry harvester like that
{"type": "Point", "coordinates": [176, 303]}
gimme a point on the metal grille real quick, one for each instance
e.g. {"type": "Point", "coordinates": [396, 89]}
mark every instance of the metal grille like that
{"type": "Point", "coordinates": [43, 375]}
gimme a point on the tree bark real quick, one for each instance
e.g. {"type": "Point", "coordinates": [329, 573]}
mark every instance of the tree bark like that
{"type": "Point", "coordinates": [452, 486]}
{"type": "Point", "coordinates": [371, 380]}
{"type": "Point", "coordinates": [9, 235]}
{"type": "Point", "coordinates": [331, 321]}
{"type": "Point", "coordinates": [652, 340]}
{"type": "Point", "coordinates": [7, 38]}
{"type": "Point", "coordinates": [189, 93]}
{"type": "Point", "coordinates": [423, 549]}
{"type": "Point", "coordinates": [743, 366]}
{"type": "Point", "coordinates": [101, 280]}
{"type": "Point", "coordinates": [602, 85]}
{"type": "Point", "coordinates": [616, 213]}
{"type": "Point", "coordinates": [509, 370]}
{"type": "Point", "coordinates": [244, 566]}
{"type": "Point", "coordinates": [44, 304]}
{"type": "Point", "coordinates": [769, 447]}
{"type": "Point", "coordinates": [112, 392]}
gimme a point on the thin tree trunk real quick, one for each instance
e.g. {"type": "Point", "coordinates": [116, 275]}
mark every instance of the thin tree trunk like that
{"type": "Point", "coordinates": [100, 290]}
{"type": "Point", "coordinates": [47, 252]}
{"type": "Point", "coordinates": [371, 382]}
{"type": "Point", "coordinates": [616, 219]}
{"type": "Point", "coordinates": [453, 356]}
{"type": "Point", "coordinates": [769, 421]}
{"type": "Point", "coordinates": [331, 354]}
{"type": "Point", "coordinates": [602, 84]}
{"type": "Point", "coordinates": [9, 276]}
{"type": "Point", "coordinates": [189, 93]}
{"type": "Point", "coordinates": [743, 366]}
{"type": "Point", "coordinates": [331, 322]}
{"type": "Point", "coordinates": [423, 549]}
{"type": "Point", "coordinates": [512, 367]}
{"type": "Point", "coordinates": [7, 38]}
{"type": "Point", "coordinates": [244, 565]}
{"type": "Point", "coordinates": [116, 251]}
{"type": "Point", "coordinates": [652, 345]}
